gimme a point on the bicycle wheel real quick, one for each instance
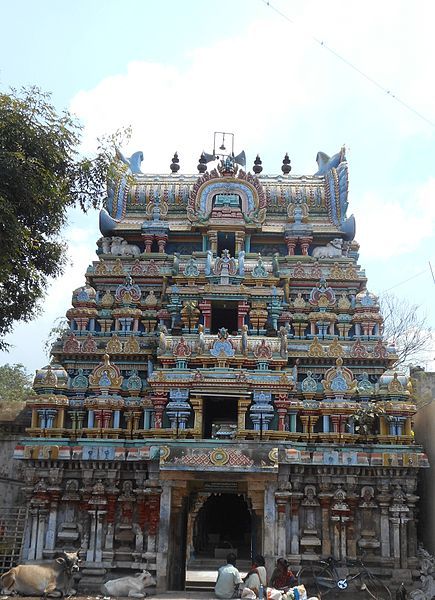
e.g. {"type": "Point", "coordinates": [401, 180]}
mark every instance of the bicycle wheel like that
{"type": "Point", "coordinates": [374, 587]}
{"type": "Point", "coordinates": [318, 580]}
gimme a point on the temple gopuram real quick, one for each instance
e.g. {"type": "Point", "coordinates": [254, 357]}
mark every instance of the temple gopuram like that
{"type": "Point", "coordinates": [223, 384]}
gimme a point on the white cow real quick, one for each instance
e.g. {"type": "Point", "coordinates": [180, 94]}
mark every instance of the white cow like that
{"type": "Point", "coordinates": [333, 249]}
{"type": "Point", "coordinates": [116, 246]}
{"type": "Point", "coordinates": [129, 249]}
{"type": "Point", "coordinates": [105, 244]}
{"type": "Point", "coordinates": [129, 586]}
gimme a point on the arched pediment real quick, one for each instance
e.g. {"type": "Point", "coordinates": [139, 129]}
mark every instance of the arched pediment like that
{"type": "Point", "coordinates": [230, 197]}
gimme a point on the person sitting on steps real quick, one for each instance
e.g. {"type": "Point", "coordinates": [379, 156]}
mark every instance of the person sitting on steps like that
{"type": "Point", "coordinates": [228, 580]}
{"type": "Point", "coordinates": [256, 575]}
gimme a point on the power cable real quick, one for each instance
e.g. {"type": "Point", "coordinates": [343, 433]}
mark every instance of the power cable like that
{"type": "Point", "coordinates": [354, 67]}
{"type": "Point", "coordinates": [405, 281]}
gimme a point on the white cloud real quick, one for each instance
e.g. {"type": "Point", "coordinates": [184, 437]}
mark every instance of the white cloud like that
{"type": "Point", "coordinates": [278, 90]}
{"type": "Point", "coordinates": [401, 226]}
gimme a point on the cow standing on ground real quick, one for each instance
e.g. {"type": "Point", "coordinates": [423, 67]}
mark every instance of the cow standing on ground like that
{"type": "Point", "coordinates": [53, 579]}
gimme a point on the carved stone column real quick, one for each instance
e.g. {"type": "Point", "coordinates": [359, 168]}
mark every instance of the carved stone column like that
{"type": "Point", "coordinates": [281, 499]}
{"type": "Point", "coordinates": [282, 403]}
{"type": "Point", "coordinates": [164, 536]}
{"type": "Point", "coordinates": [212, 236]}
{"type": "Point", "coordinates": [325, 503]}
{"type": "Point", "coordinates": [269, 524]}
{"type": "Point", "coordinates": [291, 245]}
{"type": "Point", "coordinates": [161, 242]}
{"type": "Point", "coordinates": [240, 241]}
{"type": "Point", "coordinates": [243, 309]}
{"type": "Point", "coordinates": [243, 404]}
{"type": "Point", "coordinates": [294, 533]}
{"type": "Point", "coordinates": [197, 403]}
{"type": "Point", "coordinates": [384, 501]}
{"type": "Point", "coordinates": [305, 244]}
{"type": "Point", "coordinates": [159, 400]}
{"type": "Point", "coordinates": [148, 239]}
{"type": "Point", "coordinates": [50, 540]}
{"type": "Point", "coordinates": [205, 307]}
{"type": "Point", "coordinates": [42, 524]}
{"type": "Point", "coordinates": [412, 531]}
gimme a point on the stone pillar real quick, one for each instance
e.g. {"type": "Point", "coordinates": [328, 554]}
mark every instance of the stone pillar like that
{"type": "Point", "coordinates": [212, 236]}
{"type": "Point", "coordinates": [403, 542]}
{"type": "Point", "coordinates": [148, 239]}
{"type": "Point", "coordinates": [191, 518]}
{"type": "Point", "coordinates": [60, 418]}
{"type": "Point", "coordinates": [269, 524]}
{"type": "Point", "coordinates": [385, 526]}
{"type": "Point", "coordinates": [159, 402]}
{"type": "Point", "coordinates": [240, 241]}
{"type": "Point", "coordinates": [95, 550]}
{"type": "Point", "coordinates": [325, 502]}
{"type": "Point", "coordinates": [291, 245]}
{"type": "Point", "coordinates": [50, 540]}
{"type": "Point", "coordinates": [161, 242]}
{"type": "Point", "coordinates": [305, 244]}
{"type": "Point", "coordinates": [282, 403]}
{"type": "Point", "coordinates": [205, 307]}
{"type": "Point", "coordinates": [243, 404]}
{"type": "Point", "coordinates": [294, 528]}
{"type": "Point", "coordinates": [243, 309]}
{"type": "Point", "coordinates": [351, 534]}
{"type": "Point", "coordinates": [164, 536]}
{"type": "Point", "coordinates": [42, 522]}
{"type": "Point", "coordinates": [412, 531]}
{"type": "Point", "coordinates": [395, 525]}
{"type": "Point", "coordinates": [281, 499]}
{"type": "Point", "coordinates": [197, 408]}
{"type": "Point", "coordinates": [34, 513]}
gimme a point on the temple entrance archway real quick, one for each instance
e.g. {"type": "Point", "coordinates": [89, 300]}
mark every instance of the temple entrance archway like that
{"type": "Point", "coordinates": [223, 524]}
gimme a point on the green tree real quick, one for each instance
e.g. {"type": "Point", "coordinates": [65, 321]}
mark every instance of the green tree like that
{"type": "Point", "coordinates": [41, 176]}
{"type": "Point", "coordinates": [15, 383]}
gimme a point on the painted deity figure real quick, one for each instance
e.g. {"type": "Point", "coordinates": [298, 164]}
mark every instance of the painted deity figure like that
{"type": "Point", "coordinates": [283, 345]}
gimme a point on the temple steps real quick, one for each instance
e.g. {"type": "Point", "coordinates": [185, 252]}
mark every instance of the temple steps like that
{"type": "Point", "coordinates": [202, 573]}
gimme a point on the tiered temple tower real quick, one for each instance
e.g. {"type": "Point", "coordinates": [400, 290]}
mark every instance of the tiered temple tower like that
{"type": "Point", "coordinates": [224, 384]}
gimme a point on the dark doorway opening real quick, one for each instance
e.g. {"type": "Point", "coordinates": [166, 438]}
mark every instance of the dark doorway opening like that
{"type": "Point", "coordinates": [219, 417]}
{"type": "Point", "coordinates": [223, 525]}
{"type": "Point", "coordinates": [224, 314]}
{"type": "Point", "coordinates": [226, 241]}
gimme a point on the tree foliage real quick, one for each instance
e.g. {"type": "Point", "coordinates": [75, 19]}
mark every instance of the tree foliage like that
{"type": "Point", "coordinates": [41, 176]}
{"type": "Point", "coordinates": [405, 327]}
{"type": "Point", "coordinates": [366, 416]}
{"type": "Point", "coordinates": [60, 327]}
{"type": "Point", "coordinates": [15, 383]}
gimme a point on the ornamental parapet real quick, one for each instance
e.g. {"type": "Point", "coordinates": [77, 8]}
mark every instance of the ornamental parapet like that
{"type": "Point", "coordinates": [226, 454]}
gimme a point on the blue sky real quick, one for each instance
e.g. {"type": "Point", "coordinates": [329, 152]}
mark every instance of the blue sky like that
{"type": "Point", "coordinates": [177, 71]}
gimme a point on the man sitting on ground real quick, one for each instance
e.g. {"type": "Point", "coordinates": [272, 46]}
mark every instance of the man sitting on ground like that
{"type": "Point", "coordinates": [229, 579]}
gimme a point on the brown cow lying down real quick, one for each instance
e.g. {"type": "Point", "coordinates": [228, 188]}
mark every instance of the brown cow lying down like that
{"type": "Point", "coordinates": [130, 586]}
{"type": "Point", "coordinates": [51, 579]}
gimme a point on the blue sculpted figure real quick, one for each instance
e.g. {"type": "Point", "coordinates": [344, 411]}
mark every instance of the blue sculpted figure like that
{"type": "Point", "coordinates": [133, 162]}
{"type": "Point", "coordinates": [326, 163]}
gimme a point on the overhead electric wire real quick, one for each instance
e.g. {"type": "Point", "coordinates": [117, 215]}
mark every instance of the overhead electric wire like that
{"type": "Point", "coordinates": [405, 281]}
{"type": "Point", "coordinates": [353, 66]}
